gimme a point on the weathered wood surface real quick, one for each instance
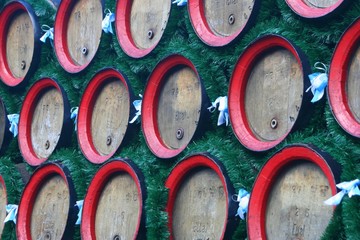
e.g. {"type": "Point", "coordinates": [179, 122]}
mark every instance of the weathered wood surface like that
{"type": "Point", "coordinates": [353, 85]}
{"type": "Point", "coordinates": [110, 116]}
{"type": "Point", "coordinates": [295, 207]}
{"type": "Point", "coordinates": [118, 209]}
{"type": "Point", "coordinates": [179, 107]}
{"type": "Point", "coordinates": [3, 202]}
{"type": "Point", "coordinates": [274, 94]}
{"type": "Point", "coordinates": [320, 3]}
{"type": "Point", "coordinates": [200, 207]}
{"type": "Point", "coordinates": [3, 120]}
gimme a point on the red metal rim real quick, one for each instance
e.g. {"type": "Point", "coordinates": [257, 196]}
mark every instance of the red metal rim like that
{"type": "Point", "coordinates": [5, 17]}
{"type": "Point", "coordinates": [23, 230]}
{"type": "Point", "coordinates": [267, 175]}
{"type": "Point", "coordinates": [86, 110]}
{"type": "Point", "coordinates": [150, 105]}
{"type": "Point", "coordinates": [26, 115]}
{"type": "Point", "coordinates": [338, 74]}
{"type": "Point", "coordinates": [237, 90]}
{"type": "Point", "coordinates": [303, 10]}
{"type": "Point", "coordinates": [94, 191]}
{"type": "Point", "coordinates": [202, 29]}
{"type": "Point", "coordinates": [180, 171]}
{"type": "Point", "coordinates": [60, 42]}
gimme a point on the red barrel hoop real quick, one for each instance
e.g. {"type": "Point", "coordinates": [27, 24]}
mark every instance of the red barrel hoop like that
{"type": "Point", "coordinates": [104, 113]}
{"type": "Point", "coordinates": [20, 43]}
{"type": "Point", "coordinates": [115, 197]}
{"type": "Point", "coordinates": [315, 9]}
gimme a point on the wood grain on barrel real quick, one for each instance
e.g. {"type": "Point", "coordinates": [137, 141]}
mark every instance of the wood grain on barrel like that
{"type": "Point", "coordinates": [320, 3]}
{"type": "Point", "coordinates": [110, 116]}
{"type": "Point", "coordinates": [3, 119]}
{"type": "Point", "coordinates": [47, 122]}
{"type": "Point", "coordinates": [179, 107]}
{"type": "Point", "coordinates": [200, 206]}
{"type": "Point", "coordinates": [84, 30]}
{"type": "Point", "coordinates": [50, 211]}
{"type": "Point", "coordinates": [274, 94]}
{"type": "Point", "coordinates": [148, 21]}
{"type": "Point", "coordinates": [228, 17]}
{"type": "Point", "coordinates": [118, 209]}
{"type": "Point", "coordinates": [295, 208]}
{"type": "Point", "coordinates": [3, 202]}
{"type": "Point", "coordinates": [353, 85]}
{"type": "Point", "coordinates": [20, 44]}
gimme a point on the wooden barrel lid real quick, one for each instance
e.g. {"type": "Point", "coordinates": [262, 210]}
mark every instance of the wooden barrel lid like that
{"type": "Point", "coordinates": [20, 42]}
{"type": "Point", "coordinates": [3, 203]}
{"type": "Point", "coordinates": [267, 92]}
{"type": "Point", "coordinates": [44, 122]}
{"type": "Point", "coordinates": [104, 114]}
{"type": "Point", "coordinates": [343, 86]}
{"type": "Point", "coordinates": [315, 8]}
{"type": "Point", "coordinates": [173, 106]}
{"type": "Point", "coordinates": [218, 23]}
{"type": "Point", "coordinates": [140, 25]}
{"type": "Point", "coordinates": [287, 200]}
{"type": "Point", "coordinates": [46, 209]}
{"type": "Point", "coordinates": [5, 134]}
{"type": "Point", "coordinates": [114, 203]}
{"type": "Point", "coordinates": [199, 204]}
{"type": "Point", "coordinates": [77, 33]}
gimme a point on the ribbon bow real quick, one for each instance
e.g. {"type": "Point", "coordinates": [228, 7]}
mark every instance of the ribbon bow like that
{"type": "Point", "coordinates": [243, 198]}
{"type": "Point", "coordinates": [49, 33]}
{"type": "Point", "coordinates": [79, 204]}
{"type": "Point", "coordinates": [14, 121]}
{"type": "Point", "coordinates": [318, 81]}
{"type": "Point", "coordinates": [11, 210]}
{"type": "Point", "coordinates": [137, 105]}
{"type": "Point", "coordinates": [74, 114]}
{"type": "Point", "coordinates": [180, 3]}
{"type": "Point", "coordinates": [223, 109]}
{"type": "Point", "coordinates": [106, 22]}
{"type": "Point", "coordinates": [350, 188]}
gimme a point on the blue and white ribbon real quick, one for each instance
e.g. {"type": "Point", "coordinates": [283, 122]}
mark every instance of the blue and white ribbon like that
{"type": "Point", "coordinates": [223, 109]}
{"type": "Point", "coordinates": [180, 3]}
{"type": "Point", "coordinates": [74, 115]}
{"type": "Point", "coordinates": [318, 81]}
{"type": "Point", "coordinates": [106, 22]}
{"type": "Point", "coordinates": [243, 198]}
{"type": "Point", "coordinates": [49, 33]}
{"type": "Point", "coordinates": [350, 188]}
{"type": "Point", "coordinates": [79, 204]}
{"type": "Point", "coordinates": [14, 121]}
{"type": "Point", "coordinates": [11, 210]}
{"type": "Point", "coordinates": [137, 105]}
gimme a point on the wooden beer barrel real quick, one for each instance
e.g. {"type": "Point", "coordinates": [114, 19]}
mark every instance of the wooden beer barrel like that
{"type": "Point", "coordinates": [267, 98]}
{"type": "Point", "coordinates": [140, 25]}
{"type": "Point", "coordinates": [343, 85]}
{"type": "Point", "coordinates": [46, 209]}
{"type": "Point", "coordinates": [104, 114]}
{"type": "Point", "coordinates": [77, 33]}
{"type": "Point", "coordinates": [44, 122]}
{"type": "Point", "coordinates": [217, 23]}
{"type": "Point", "coordinates": [173, 106]}
{"type": "Point", "coordinates": [3, 203]}
{"type": "Point", "coordinates": [315, 8]}
{"type": "Point", "coordinates": [199, 203]}
{"type": "Point", "coordinates": [287, 200]}
{"type": "Point", "coordinates": [5, 134]}
{"type": "Point", "coordinates": [114, 203]}
{"type": "Point", "coordinates": [20, 42]}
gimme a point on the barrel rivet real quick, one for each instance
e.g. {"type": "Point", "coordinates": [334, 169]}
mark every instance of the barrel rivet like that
{"type": "Point", "coordinates": [231, 19]}
{"type": "Point", "coordinates": [273, 123]}
{"type": "Point", "coordinates": [84, 51]}
{"type": "Point", "coordinates": [47, 236]}
{"type": "Point", "coordinates": [179, 133]}
{"type": "Point", "coordinates": [47, 144]}
{"type": "Point", "coordinates": [108, 140]}
{"type": "Point", "coordinates": [150, 34]}
{"type": "Point", "coordinates": [116, 237]}
{"type": "Point", "coordinates": [23, 65]}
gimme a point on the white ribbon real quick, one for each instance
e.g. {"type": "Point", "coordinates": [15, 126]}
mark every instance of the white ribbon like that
{"type": "Point", "coordinates": [243, 198]}
{"type": "Point", "coordinates": [106, 22]}
{"type": "Point", "coordinates": [14, 121]}
{"type": "Point", "coordinates": [350, 188]}
{"type": "Point", "coordinates": [319, 82]}
{"type": "Point", "coordinates": [137, 105]}
{"type": "Point", "coordinates": [180, 3]}
{"type": "Point", "coordinates": [11, 210]}
{"type": "Point", "coordinates": [49, 33]}
{"type": "Point", "coordinates": [223, 109]}
{"type": "Point", "coordinates": [74, 114]}
{"type": "Point", "coordinates": [79, 204]}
